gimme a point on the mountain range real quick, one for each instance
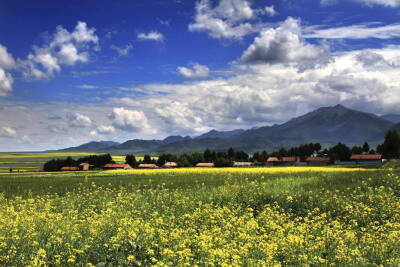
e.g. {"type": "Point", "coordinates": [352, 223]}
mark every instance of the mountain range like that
{"type": "Point", "coordinates": [326, 125]}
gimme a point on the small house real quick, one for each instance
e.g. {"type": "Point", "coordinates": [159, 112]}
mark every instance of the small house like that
{"type": "Point", "coordinates": [147, 166]}
{"type": "Point", "coordinates": [242, 164]}
{"type": "Point", "coordinates": [205, 165]}
{"type": "Point", "coordinates": [111, 166]}
{"type": "Point", "coordinates": [318, 161]}
{"type": "Point", "coordinates": [170, 165]}
{"type": "Point", "coordinates": [84, 166]}
{"type": "Point", "coordinates": [69, 169]}
{"type": "Point", "coordinates": [366, 158]}
{"type": "Point", "coordinates": [272, 161]}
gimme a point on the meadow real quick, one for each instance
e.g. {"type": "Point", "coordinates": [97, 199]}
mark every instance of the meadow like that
{"type": "Point", "coordinates": [316, 216]}
{"type": "Point", "coordinates": [32, 161]}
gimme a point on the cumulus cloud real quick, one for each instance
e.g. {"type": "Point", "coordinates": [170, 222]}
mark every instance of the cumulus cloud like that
{"type": "Point", "coordinates": [122, 51]}
{"type": "Point", "coordinates": [6, 82]}
{"type": "Point", "coordinates": [152, 36]}
{"type": "Point", "coordinates": [6, 79]}
{"type": "Point", "coordinates": [6, 59]}
{"type": "Point", "coordinates": [283, 44]}
{"type": "Point", "coordinates": [7, 132]}
{"type": "Point", "coordinates": [371, 59]}
{"type": "Point", "coordinates": [129, 120]}
{"type": "Point", "coordinates": [356, 31]}
{"type": "Point", "coordinates": [102, 129]}
{"type": "Point", "coordinates": [270, 11]}
{"type": "Point", "coordinates": [197, 71]}
{"type": "Point", "coordinates": [79, 120]}
{"type": "Point", "coordinates": [229, 19]}
{"type": "Point", "coordinates": [65, 48]}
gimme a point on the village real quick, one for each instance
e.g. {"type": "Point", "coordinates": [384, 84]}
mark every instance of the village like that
{"type": "Point", "coordinates": [355, 159]}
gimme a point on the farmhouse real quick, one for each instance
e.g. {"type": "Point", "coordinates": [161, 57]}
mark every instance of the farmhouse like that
{"type": "Point", "coordinates": [147, 166]}
{"type": "Point", "coordinates": [111, 166]}
{"type": "Point", "coordinates": [366, 158]}
{"type": "Point", "coordinates": [205, 165]}
{"type": "Point", "coordinates": [242, 164]}
{"type": "Point", "coordinates": [271, 161]}
{"type": "Point", "coordinates": [69, 169]}
{"type": "Point", "coordinates": [84, 166]}
{"type": "Point", "coordinates": [318, 161]}
{"type": "Point", "coordinates": [170, 165]}
{"type": "Point", "coordinates": [285, 161]}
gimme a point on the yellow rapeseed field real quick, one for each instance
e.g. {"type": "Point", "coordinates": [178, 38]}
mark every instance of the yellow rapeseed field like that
{"type": "Point", "coordinates": [253, 217]}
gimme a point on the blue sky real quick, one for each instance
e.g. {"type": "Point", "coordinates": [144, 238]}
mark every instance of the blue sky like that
{"type": "Point", "coordinates": [75, 71]}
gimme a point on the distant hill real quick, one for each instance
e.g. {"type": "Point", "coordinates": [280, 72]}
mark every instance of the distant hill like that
{"type": "Point", "coordinates": [326, 125]}
{"type": "Point", "coordinates": [395, 118]}
{"type": "Point", "coordinates": [91, 146]}
{"type": "Point", "coordinates": [222, 135]}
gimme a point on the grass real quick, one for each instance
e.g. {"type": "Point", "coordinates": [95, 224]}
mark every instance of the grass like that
{"type": "Point", "coordinates": [34, 161]}
{"type": "Point", "coordinates": [229, 216]}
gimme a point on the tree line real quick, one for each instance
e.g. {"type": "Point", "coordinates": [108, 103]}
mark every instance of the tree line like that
{"type": "Point", "coordinates": [341, 152]}
{"type": "Point", "coordinates": [97, 161]}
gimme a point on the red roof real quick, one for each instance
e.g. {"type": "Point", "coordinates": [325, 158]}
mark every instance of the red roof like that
{"type": "Point", "coordinates": [70, 168]}
{"type": "Point", "coordinates": [366, 157]}
{"type": "Point", "coordinates": [318, 159]}
{"type": "Point", "coordinates": [289, 159]}
{"type": "Point", "coordinates": [114, 166]}
{"type": "Point", "coordinates": [147, 165]}
{"type": "Point", "coordinates": [273, 159]}
{"type": "Point", "coordinates": [204, 164]}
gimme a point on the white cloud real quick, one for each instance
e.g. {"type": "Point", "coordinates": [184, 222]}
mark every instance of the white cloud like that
{"type": "Point", "coordinates": [6, 82]}
{"type": "Point", "coordinates": [79, 120]}
{"type": "Point", "coordinates": [87, 86]}
{"type": "Point", "coordinates": [93, 133]}
{"type": "Point", "coordinates": [102, 129]}
{"type": "Point", "coordinates": [6, 59]}
{"type": "Point", "coordinates": [69, 55]}
{"type": "Point", "coordinates": [6, 79]}
{"type": "Point", "coordinates": [229, 19]}
{"type": "Point", "coordinates": [7, 132]}
{"type": "Point", "coordinates": [283, 44]}
{"type": "Point", "coordinates": [270, 11]}
{"type": "Point", "coordinates": [122, 51]}
{"type": "Point", "coordinates": [197, 71]}
{"type": "Point", "coordinates": [357, 31]}
{"type": "Point", "coordinates": [65, 48]}
{"type": "Point", "coordinates": [386, 3]}
{"type": "Point", "coordinates": [129, 120]}
{"type": "Point", "coordinates": [152, 36]}
{"type": "Point", "coordinates": [371, 59]}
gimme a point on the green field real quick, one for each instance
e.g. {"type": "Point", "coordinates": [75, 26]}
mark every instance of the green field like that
{"type": "Point", "coordinates": [33, 161]}
{"type": "Point", "coordinates": [251, 216]}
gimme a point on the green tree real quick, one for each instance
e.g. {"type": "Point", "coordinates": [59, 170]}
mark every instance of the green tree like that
{"type": "Point", "coordinates": [391, 146]}
{"type": "Point", "coordinates": [356, 150]}
{"type": "Point", "coordinates": [365, 147]}
{"type": "Point", "coordinates": [131, 160]}
{"type": "Point", "coordinates": [340, 152]}
{"type": "Point", "coordinates": [231, 153]}
{"type": "Point", "coordinates": [147, 159]}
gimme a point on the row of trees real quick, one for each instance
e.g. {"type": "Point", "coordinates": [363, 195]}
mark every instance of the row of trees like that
{"type": "Point", "coordinates": [97, 161]}
{"type": "Point", "coordinates": [220, 159]}
{"type": "Point", "coordinates": [390, 149]}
